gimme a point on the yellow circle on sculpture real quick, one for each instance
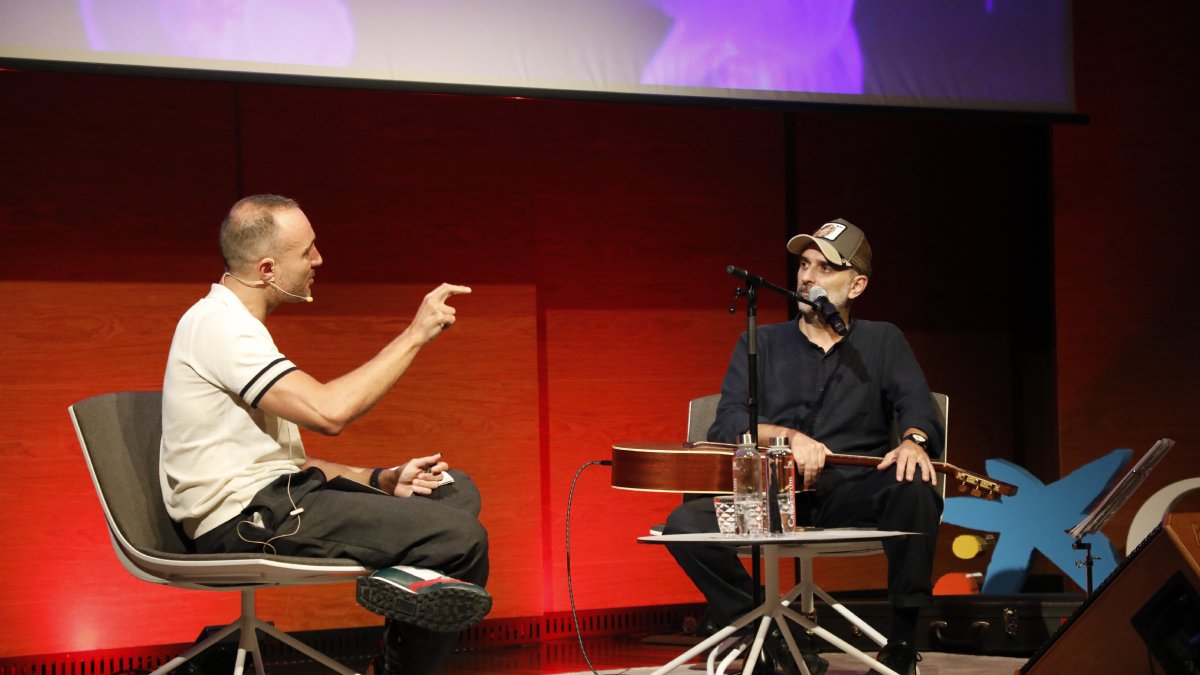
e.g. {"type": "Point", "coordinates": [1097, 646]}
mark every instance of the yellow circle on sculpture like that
{"type": "Point", "coordinates": [968, 546]}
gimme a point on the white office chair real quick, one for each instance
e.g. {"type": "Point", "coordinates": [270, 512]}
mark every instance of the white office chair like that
{"type": "Point", "coordinates": [120, 434]}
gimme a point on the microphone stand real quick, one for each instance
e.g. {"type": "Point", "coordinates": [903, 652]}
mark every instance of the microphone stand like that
{"type": "Point", "coordinates": [750, 292]}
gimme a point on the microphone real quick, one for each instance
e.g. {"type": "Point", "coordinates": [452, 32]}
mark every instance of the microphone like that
{"type": "Point", "coordinates": [756, 281]}
{"type": "Point", "coordinates": [820, 299]}
{"type": "Point", "coordinates": [752, 279]}
{"type": "Point", "coordinates": [306, 298]}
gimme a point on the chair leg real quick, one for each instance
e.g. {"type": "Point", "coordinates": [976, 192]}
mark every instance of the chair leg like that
{"type": "Point", "coordinates": [305, 649]}
{"type": "Point", "coordinates": [239, 664]}
{"type": "Point", "coordinates": [248, 639]}
{"type": "Point", "coordinates": [248, 624]}
{"type": "Point", "coordinates": [196, 650]}
{"type": "Point", "coordinates": [252, 623]}
{"type": "Point", "coordinates": [803, 595]}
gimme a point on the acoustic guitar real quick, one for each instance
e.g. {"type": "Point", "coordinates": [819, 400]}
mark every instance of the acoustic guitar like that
{"type": "Point", "coordinates": [706, 467]}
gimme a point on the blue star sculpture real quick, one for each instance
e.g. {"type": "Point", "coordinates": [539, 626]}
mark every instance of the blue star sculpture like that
{"type": "Point", "coordinates": [1037, 518]}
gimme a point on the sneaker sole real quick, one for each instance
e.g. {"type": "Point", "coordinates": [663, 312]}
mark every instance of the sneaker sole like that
{"type": "Point", "coordinates": [446, 610]}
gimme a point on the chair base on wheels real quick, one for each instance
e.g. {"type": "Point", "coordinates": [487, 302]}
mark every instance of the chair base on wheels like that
{"type": "Point", "coordinates": [248, 625]}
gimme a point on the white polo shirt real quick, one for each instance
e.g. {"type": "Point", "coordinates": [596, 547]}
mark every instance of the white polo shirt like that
{"type": "Point", "coordinates": [218, 449]}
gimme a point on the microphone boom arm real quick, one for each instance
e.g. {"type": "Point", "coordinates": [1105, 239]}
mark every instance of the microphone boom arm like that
{"type": "Point", "coordinates": [758, 282]}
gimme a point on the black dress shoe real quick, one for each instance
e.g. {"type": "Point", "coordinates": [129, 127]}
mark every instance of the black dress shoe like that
{"type": "Point", "coordinates": [900, 657]}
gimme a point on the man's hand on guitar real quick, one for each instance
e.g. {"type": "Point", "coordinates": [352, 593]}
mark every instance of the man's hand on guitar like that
{"type": "Point", "coordinates": [810, 458]}
{"type": "Point", "coordinates": [908, 457]}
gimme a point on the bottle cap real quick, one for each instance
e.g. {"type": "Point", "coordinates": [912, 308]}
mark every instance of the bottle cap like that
{"type": "Point", "coordinates": [746, 439]}
{"type": "Point", "coordinates": [780, 442]}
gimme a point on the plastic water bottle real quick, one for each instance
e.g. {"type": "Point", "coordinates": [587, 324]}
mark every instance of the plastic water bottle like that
{"type": "Point", "coordinates": [748, 494]}
{"type": "Point", "coordinates": [781, 481]}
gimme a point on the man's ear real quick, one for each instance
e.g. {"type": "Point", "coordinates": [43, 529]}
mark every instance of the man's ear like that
{"type": "Point", "coordinates": [266, 269]}
{"type": "Point", "coordinates": [857, 286]}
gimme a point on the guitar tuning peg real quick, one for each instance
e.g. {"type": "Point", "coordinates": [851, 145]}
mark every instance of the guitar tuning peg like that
{"type": "Point", "coordinates": [976, 492]}
{"type": "Point", "coordinates": [962, 487]}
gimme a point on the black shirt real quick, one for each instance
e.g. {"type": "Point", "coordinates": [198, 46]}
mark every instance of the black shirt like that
{"type": "Point", "coordinates": [846, 398]}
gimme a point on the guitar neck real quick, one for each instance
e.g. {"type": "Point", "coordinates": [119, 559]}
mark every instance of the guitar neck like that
{"type": "Point", "coordinates": [970, 483]}
{"type": "Point", "coordinates": [867, 460]}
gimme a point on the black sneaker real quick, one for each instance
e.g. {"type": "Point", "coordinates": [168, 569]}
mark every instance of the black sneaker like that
{"type": "Point", "coordinates": [423, 598]}
{"type": "Point", "coordinates": [779, 658]}
{"type": "Point", "coordinates": [900, 657]}
{"type": "Point", "coordinates": [387, 661]}
{"type": "Point", "coordinates": [377, 666]}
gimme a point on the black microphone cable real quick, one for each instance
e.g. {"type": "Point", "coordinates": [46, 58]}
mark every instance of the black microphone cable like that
{"type": "Point", "coordinates": [570, 586]}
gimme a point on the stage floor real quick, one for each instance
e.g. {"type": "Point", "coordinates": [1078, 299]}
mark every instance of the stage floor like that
{"type": "Point", "coordinates": [629, 655]}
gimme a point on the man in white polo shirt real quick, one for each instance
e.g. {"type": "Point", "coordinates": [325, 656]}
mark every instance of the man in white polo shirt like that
{"type": "Point", "coordinates": [234, 472]}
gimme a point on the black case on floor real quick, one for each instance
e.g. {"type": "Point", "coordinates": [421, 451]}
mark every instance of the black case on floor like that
{"type": "Point", "coordinates": [993, 625]}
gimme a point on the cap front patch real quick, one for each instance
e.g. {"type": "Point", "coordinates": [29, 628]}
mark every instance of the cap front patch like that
{"type": "Point", "coordinates": [830, 231]}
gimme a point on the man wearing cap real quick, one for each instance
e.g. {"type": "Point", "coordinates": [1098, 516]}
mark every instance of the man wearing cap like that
{"type": "Point", "coordinates": [833, 393]}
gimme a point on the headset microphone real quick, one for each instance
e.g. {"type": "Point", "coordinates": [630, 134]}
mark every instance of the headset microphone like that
{"type": "Point", "coordinates": [306, 298]}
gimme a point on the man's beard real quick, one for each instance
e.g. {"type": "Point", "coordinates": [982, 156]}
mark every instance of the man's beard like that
{"type": "Point", "coordinates": [806, 308]}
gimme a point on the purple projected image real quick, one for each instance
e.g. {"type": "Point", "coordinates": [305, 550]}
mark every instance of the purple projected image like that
{"type": "Point", "coordinates": [782, 45]}
{"type": "Point", "coordinates": [984, 54]}
{"type": "Point", "coordinates": [318, 33]}
{"type": "Point", "coordinates": [967, 50]}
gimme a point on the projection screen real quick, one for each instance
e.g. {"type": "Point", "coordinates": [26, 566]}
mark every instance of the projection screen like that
{"type": "Point", "coordinates": [1005, 55]}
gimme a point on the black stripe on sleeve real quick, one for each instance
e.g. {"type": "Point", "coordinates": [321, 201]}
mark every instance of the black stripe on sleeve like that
{"type": "Point", "coordinates": [270, 384]}
{"type": "Point", "coordinates": [242, 393]}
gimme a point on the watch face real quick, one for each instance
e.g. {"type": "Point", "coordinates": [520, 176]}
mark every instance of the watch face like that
{"type": "Point", "coordinates": [918, 439]}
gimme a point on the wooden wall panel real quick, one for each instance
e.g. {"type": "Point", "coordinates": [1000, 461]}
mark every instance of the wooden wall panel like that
{"type": "Point", "coordinates": [471, 393]}
{"type": "Point", "coordinates": [954, 210]}
{"type": "Point", "coordinates": [1125, 243]}
{"type": "Point", "coordinates": [594, 402]}
{"type": "Point", "coordinates": [100, 179]}
{"type": "Point", "coordinates": [122, 178]}
{"type": "Point", "coordinates": [63, 342]}
{"type": "Point", "coordinates": [601, 204]}
{"type": "Point", "coordinates": [611, 208]}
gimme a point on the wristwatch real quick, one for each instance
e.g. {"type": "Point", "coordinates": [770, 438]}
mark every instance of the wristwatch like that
{"type": "Point", "coordinates": [919, 439]}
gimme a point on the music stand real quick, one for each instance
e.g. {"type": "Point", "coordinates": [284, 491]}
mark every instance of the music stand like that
{"type": "Point", "coordinates": [1112, 500]}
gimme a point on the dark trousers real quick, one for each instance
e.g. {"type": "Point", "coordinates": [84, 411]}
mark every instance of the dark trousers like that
{"type": "Point", "coordinates": [874, 499]}
{"type": "Point", "coordinates": [441, 532]}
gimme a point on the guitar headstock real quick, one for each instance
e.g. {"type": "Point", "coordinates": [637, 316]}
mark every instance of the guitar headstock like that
{"type": "Point", "coordinates": [974, 485]}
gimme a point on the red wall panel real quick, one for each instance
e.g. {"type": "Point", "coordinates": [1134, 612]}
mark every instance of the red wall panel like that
{"type": "Point", "coordinates": [471, 394]}
{"type": "Point", "coordinates": [113, 178]}
{"type": "Point", "coordinates": [1125, 243]}
{"type": "Point", "coordinates": [561, 215]}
